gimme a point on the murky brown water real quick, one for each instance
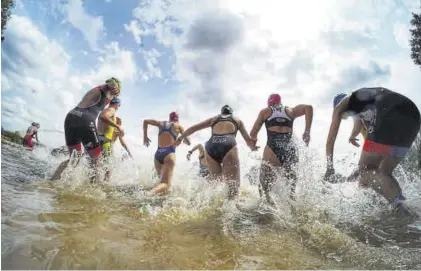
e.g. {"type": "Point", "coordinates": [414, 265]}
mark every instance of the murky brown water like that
{"type": "Point", "coordinates": [48, 225]}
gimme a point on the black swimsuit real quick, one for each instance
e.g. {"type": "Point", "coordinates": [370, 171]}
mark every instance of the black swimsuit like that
{"type": "Point", "coordinates": [391, 118]}
{"type": "Point", "coordinates": [80, 127]}
{"type": "Point", "coordinates": [219, 145]}
{"type": "Point", "coordinates": [281, 143]}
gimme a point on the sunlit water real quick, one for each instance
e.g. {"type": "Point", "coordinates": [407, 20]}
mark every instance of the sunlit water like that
{"type": "Point", "coordinates": [70, 224]}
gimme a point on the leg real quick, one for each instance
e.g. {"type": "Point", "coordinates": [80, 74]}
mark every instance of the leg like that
{"type": "Point", "coordinates": [290, 162]}
{"type": "Point", "coordinates": [231, 172]}
{"type": "Point", "coordinates": [376, 172]}
{"type": "Point", "coordinates": [63, 165]}
{"type": "Point", "coordinates": [214, 167]}
{"type": "Point", "coordinates": [167, 172]}
{"type": "Point", "coordinates": [158, 167]}
{"type": "Point", "coordinates": [267, 175]}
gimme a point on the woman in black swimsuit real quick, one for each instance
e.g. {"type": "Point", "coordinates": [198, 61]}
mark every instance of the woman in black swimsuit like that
{"type": "Point", "coordinates": [80, 124]}
{"type": "Point", "coordinates": [221, 151]}
{"type": "Point", "coordinates": [280, 150]}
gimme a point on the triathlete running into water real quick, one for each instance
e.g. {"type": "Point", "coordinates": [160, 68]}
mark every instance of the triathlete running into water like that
{"type": "Point", "coordinates": [203, 169]}
{"type": "Point", "coordinates": [31, 132]}
{"type": "Point", "coordinates": [392, 122]}
{"type": "Point", "coordinates": [280, 150]}
{"type": "Point", "coordinates": [165, 154]}
{"type": "Point", "coordinates": [221, 150]}
{"type": "Point", "coordinates": [107, 122]}
{"type": "Point", "coordinates": [79, 125]}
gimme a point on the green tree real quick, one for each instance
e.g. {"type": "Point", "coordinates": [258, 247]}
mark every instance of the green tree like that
{"type": "Point", "coordinates": [415, 40]}
{"type": "Point", "coordinates": [6, 6]}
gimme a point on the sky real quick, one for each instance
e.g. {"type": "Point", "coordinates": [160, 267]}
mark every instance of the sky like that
{"type": "Point", "coordinates": [194, 56]}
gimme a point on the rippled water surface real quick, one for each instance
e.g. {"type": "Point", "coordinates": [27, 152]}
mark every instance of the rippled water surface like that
{"type": "Point", "coordinates": [74, 225]}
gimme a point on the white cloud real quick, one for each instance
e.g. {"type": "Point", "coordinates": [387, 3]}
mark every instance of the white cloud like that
{"type": "Point", "coordinates": [92, 27]}
{"type": "Point", "coordinates": [135, 29]}
{"type": "Point", "coordinates": [151, 63]}
{"type": "Point", "coordinates": [303, 50]}
{"type": "Point", "coordinates": [37, 84]}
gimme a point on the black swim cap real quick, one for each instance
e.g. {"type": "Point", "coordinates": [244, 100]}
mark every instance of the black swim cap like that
{"type": "Point", "coordinates": [226, 110]}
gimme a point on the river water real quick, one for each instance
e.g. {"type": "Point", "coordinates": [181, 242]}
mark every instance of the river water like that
{"type": "Point", "coordinates": [70, 224]}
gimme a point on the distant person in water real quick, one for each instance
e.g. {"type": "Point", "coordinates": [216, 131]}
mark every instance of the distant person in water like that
{"type": "Point", "coordinates": [280, 150]}
{"type": "Point", "coordinates": [203, 169]}
{"type": "Point", "coordinates": [31, 132]}
{"type": "Point", "coordinates": [80, 127]}
{"type": "Point", "coordinates": [392, 122]}
{"type": "Point", "coordinates": [165, 155]}
{"type": "Point", "coordinates": [120, 137]}
{"type": "Point", "coordinates": [221, 152]}
{"type": "Point", "coordinates": [107, 123]}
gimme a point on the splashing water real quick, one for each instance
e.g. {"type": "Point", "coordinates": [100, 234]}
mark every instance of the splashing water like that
{"type": "Point", "coordinates": [71, 223]}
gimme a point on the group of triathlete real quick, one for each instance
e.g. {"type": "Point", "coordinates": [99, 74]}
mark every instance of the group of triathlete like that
{"type": "Point", "coordinates": [388, 121]}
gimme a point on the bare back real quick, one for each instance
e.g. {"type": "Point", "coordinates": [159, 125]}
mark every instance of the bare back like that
{"type": "Point", "coordinates": [168, 134]}
{"type": "Point", "coordinates": [224, 126]}
{"type": "Point", "coordinates": [266, 113]}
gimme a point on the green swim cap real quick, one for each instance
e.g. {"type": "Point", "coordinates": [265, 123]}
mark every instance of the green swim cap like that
{"type": "Point", "coordinates": [114, 81]}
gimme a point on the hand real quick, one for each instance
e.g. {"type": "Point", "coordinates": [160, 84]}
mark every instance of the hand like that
{"type": "Point", "coordinates": [306, 138]}
{"type": "Point", "coordinates": [177, 142]}
{"type": "Point", "coordinates": [188, 155]}
{"type": "Point", "coordinates": [329, 173]}
{"type": "Point", "coordinates": [252, 144]}
{"type": "Point", "coordinates": [353, 141]}
{"type": "Point", "coordinates": [120, 130]}
{"type": "Point", "coordinates": [146, 141]}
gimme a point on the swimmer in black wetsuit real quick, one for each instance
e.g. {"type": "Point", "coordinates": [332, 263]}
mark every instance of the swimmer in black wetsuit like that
{"type": "Point", "coordinates": [392, 121]}
{"type": "Point", "coordinates": [221, 152]}
{"type": "Point", "coordinates": [80, 124]}
{"type": "Point", "coordinates": [280, 150]}
{"type": "Point", "coordinates": [165, 154]}
{"type": "Point", "coordinates": [203, 168]}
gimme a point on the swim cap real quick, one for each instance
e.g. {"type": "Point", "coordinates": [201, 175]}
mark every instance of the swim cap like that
{"type": "Point", "coordinates": [173, 116]}
{"type": "Point", "coordinates": [115, 100]}
{"type": "Point", "coordinates": [274, 99]}
{"type": "Point", "coordinates": [226, 110]}
{"type": "Point", "coordinates": [338, 98]}
{"type": "Point", "coordinates": [114, 82]}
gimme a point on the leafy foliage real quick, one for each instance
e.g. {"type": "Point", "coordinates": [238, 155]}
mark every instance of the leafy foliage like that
{"type": "Point", "coordinates": [415, 40]}
{"type": "Point", "coordinates": [6, 6]}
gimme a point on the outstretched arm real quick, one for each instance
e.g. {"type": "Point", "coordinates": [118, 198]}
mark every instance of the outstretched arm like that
{"type": "Point", "coordinates": [250, 141]}
{"type": "Point", "coordinates": [36, 136]}
{"type": "Point", "coordinates": [257, 125]}
{"type": "Point", "coordinates": [186, 139]}
{"type": "Point", "coordinates": [123, 143]}
{"type": "Point", "coordinates": [197, 127]}
{"type": "Point", "coordinates": [198, 146]}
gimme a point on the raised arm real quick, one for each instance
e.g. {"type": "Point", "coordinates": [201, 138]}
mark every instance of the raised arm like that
{"type": "Point", "coordinates": [307, 111]}
{"type": "Point", "coordinates": [197, 127]}
{"type": "Point", "coordinates": [147, 122]}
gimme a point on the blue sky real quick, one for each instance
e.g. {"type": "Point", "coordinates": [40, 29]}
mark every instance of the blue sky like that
{"type": "Point", "coordinates": [194, 56]}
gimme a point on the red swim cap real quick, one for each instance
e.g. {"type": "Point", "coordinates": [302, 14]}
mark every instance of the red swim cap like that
{"type": "Point", "coordinates": [274, 99]}
{"type": "Point", "coordinates": [173, 116]}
